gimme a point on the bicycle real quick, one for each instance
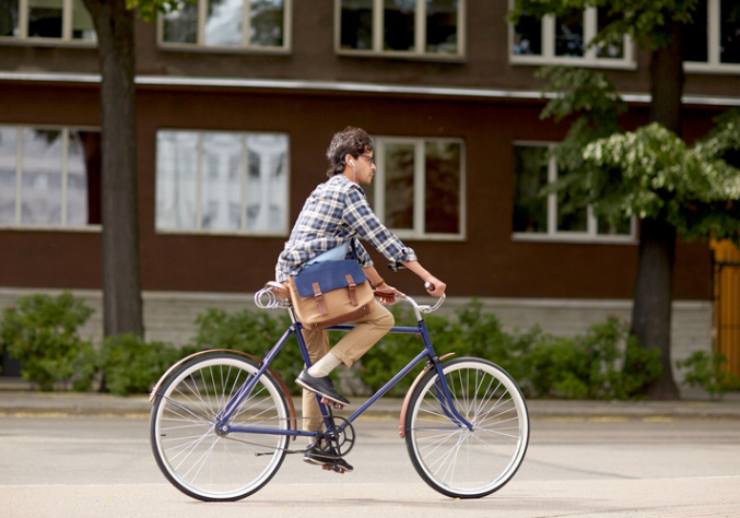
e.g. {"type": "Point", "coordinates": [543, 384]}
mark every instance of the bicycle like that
{"type": "Point", "coordinates": [222, 420]}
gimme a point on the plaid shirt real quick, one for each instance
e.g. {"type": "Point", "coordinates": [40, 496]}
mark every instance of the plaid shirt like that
{"type": "Point", "coordinates": [335, 213]}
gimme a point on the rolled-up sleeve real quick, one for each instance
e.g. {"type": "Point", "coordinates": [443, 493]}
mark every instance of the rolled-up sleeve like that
{"type": "Point", "coordinates": [360, 217]}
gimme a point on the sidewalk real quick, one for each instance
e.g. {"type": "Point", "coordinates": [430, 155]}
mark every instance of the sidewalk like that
{"type": "Point", "coordinates": [25, 402]}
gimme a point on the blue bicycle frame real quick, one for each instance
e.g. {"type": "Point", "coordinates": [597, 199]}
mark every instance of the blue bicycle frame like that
{"type": "Point", "coordinates": [446, 400]}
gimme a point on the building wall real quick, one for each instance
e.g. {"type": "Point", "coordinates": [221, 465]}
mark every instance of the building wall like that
{"type": "Point", "coordinates": [312, 56]}
{"type": "Point", "coordinates": [487, 262]}
{"type": "Point", "coordinates": [562, 286]}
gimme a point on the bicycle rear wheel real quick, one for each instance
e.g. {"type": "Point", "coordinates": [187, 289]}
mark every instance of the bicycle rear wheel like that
{"type": "Point", "coordinates": [456, 461]}
{"type": "Point", "coordinates": [195, 458]}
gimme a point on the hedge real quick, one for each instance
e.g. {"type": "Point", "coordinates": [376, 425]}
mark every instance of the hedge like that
{"type": "Point", "coordinates": [604, 363]}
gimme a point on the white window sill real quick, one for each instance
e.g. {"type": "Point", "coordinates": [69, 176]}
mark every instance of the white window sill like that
{"type": "Point", "coordinates": [47, 42]}
{"type": "Point", "coordinates": [411, 56]}
{"type": "Point", "coordinates": [219, 233]}
{"type": "Point", "coordinates": [711, 68]}
{"type": "Point", "coordinates": [51, 228]}
{"type": "Point", "coordinates": [620, 64]}
{"type": "Point", "coordinates": [194, 47]}
{"type": "Point", "coordinates": [573, 239]}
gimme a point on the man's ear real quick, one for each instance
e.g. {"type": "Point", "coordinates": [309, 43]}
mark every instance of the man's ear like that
{"type": "Point", "coordinates": [349, 159]}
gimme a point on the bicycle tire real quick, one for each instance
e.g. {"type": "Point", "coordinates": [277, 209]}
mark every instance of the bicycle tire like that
{"type": "Point", "coordinates": [183, 424]}
{"type": "Point", "coordinates": [489, 455]}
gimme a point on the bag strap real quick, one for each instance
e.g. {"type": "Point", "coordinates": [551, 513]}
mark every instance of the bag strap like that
{"type": "Point", "coordinates": [351, 287]}
{"type": "Point", "coordinates": [319, 298]}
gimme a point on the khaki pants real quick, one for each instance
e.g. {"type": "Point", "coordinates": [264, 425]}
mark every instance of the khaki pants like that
{"type": "Point", "coordinates": [354, 344]}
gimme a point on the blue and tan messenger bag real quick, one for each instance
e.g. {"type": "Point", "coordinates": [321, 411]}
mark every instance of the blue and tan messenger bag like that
{"type": "Point", "coordinates": [329, 293]}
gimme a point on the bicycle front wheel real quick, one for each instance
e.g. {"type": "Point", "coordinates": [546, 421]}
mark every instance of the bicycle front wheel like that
{"type": "Point", "coordinates": [195, 458]}
{"type": "Point", "coordinates": [452, 459]}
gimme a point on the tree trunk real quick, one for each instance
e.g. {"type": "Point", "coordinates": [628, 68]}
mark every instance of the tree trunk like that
{"type": "Point", "coordinates": [666, 82]}
{"type": "Point", "coordinates": [651, 311]}
{"type": "Point", "coordinates": [122, 307]}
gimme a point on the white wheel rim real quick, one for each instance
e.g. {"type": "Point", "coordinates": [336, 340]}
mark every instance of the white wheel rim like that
{"type": "Point", "coordinates": [194, 455]}
{"type": "Point", "coordinates": [457, 459]}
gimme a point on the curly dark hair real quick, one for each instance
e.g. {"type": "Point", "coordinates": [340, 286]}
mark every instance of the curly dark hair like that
{"type": "Point", "coordinates": [349, 141]}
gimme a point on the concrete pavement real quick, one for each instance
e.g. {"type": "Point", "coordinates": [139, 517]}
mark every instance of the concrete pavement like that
{"type": "Point", "coordinates": [90, 466]}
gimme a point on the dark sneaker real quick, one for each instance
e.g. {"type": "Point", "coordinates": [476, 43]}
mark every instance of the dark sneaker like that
{"type": "Point", "coordinates": [315, 455]}
{"type": "Point", "coordinates": [327, 460]}
{"type": "Point", "coordinates": [322, 386]}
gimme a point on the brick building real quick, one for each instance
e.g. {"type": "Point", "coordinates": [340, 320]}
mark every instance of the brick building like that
{"type": "Point", "coordinates": [237, 100]}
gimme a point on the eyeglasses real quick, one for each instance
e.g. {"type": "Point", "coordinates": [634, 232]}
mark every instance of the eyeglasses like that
{"type": "Point", "coordinates": [369, 158]}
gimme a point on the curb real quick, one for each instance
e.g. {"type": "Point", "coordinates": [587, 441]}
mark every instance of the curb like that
{"type": "Point", "coordinates": [27, 403]}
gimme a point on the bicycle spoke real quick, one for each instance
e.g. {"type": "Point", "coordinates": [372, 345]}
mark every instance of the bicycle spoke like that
{"type": "Point", "coordinates": [453, 459]}
{"type": "Point", "coordinates": [197, 460]}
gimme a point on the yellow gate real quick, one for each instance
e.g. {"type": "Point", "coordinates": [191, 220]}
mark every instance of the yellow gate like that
{"type": "Point", "coordinates": [727, 302]}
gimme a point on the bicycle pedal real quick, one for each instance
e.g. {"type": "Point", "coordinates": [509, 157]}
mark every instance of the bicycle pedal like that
{"type": "Point", "coordinates": [334, 467]}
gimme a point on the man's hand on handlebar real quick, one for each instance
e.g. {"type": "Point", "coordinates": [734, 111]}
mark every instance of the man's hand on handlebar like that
{"type": "Point", "coordinates": [387, 294]}
{"type": "Point", "coordinates": [434, 286]}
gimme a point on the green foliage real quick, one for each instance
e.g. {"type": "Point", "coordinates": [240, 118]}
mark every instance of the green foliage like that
{"type": "Point", "coordinates": [250, 332]}
{"type": "Point", "coordinates": [605, 363]}
{"type": "Point", "coordinates": [131, 365]}
{"type": "Point", "coordinates": [148, 9]}
{"type": "Point", "coordinates": [646, 21]}
{"type": "Point", "coordinates": [647, 173]}
{"type": "Point", "coordinates": [694, 189]}
{"type": "Point", "coordinates": [41, 332]}
{"type": "Point", "coordinates": [708, 371]}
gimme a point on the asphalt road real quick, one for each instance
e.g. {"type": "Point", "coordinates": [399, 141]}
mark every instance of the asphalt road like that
{"type": "Point", "coordinates": [80, 467]}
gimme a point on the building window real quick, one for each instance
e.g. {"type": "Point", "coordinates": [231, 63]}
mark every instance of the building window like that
{"type": "Point", "coordinates": [49, 177]}
{"type": "Point", "coordinates": [46, 21]}
{"type": "Point", "coordinates": [564, 40]}
{"type": "Point", "coordinates": [715, 37]}
{"type": "Point", "coordinates": [549, 216]}
{"type": "Point", "coordinates": [227, 24]}
{"type": "Point", "coordinates": [416, 28]}
{"type": "Point", "coordinates": [419, 187]}
{"type": "Point", "coordinates": [222, 182]}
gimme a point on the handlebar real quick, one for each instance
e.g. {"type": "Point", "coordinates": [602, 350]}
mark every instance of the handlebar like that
{"type": "Point", "coordinates": [420, 309]}
{"type": "Point", "coordinates": [266, 299]}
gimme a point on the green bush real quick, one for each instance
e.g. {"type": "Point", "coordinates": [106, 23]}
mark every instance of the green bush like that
{"type": "Point", "coordinates": [41, 332]}
{"type": "Point", "coordinates": [250, 332]}
{"type": "Point", "coordinates": [708, 372]}
{"type": "Point", "coordinates": [394, 351]}
{"type": "Point", "coordinates": [131, 365]}
{"type": "Point", "coordinates": [604, 363]}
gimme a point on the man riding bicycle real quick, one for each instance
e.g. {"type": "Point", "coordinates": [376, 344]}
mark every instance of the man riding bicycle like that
{"type": "Point", "coordinates": [334, 218]}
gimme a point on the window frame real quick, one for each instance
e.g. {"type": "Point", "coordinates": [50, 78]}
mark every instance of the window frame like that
{"type": "Point", "coordinates": [245, 48]}
{"type": "Point", "coordinates": [590, 57]}
{"type": "Point", "coordinates": [62, 227]}
{"type": "Point", "coordinates": [243, 172]}
{"type": "Point", "coordinates": [420, 32]}
{"type": "Point", "coordinates": [418, 232]}
{"type": "Point", "coordinates": [591, 235]}
{"type": "Point", "coordinates": [66, 40]}
{"type": "Point", "coordinates": [713, 65]}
